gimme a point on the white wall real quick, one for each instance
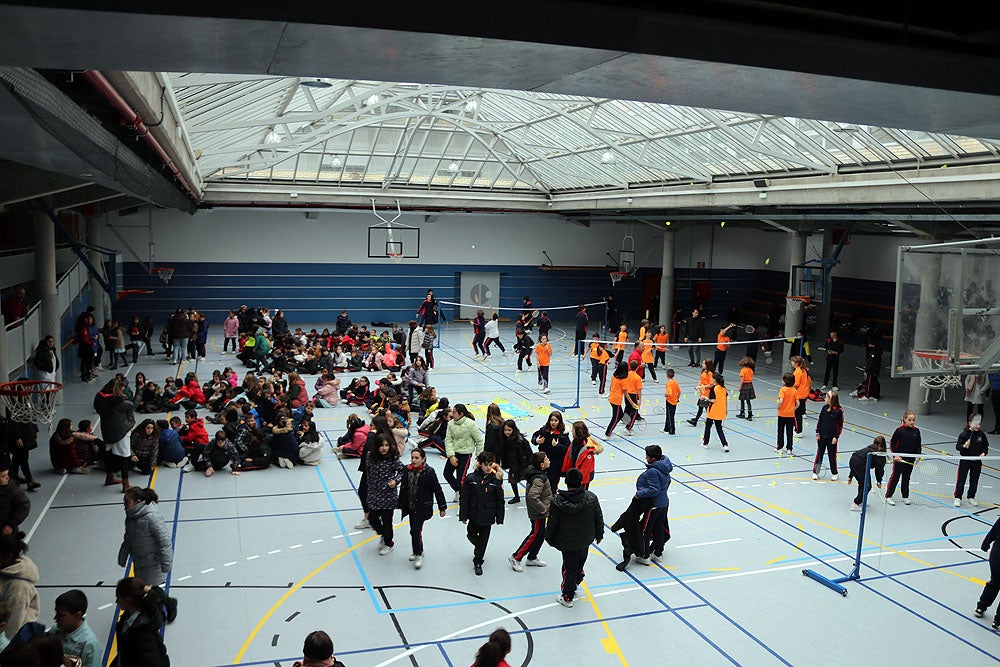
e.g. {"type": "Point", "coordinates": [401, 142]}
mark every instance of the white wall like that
{"type": "Point", "coordinates": [229, 235]}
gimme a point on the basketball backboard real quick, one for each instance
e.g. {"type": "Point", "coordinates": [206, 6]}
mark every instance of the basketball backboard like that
{"type": "Point", "coordinates": [947, 309]}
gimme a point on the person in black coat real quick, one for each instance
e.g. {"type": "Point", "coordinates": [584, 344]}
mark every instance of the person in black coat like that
{"type": "Point", "coordinates": [694, 332]}
{"type": "Point", "coordinates": [553, 440]}
{"type": "Point", "coordinates": [482, 505]}
{"type": "Point", "coordinates": [859, 468]}
{"type": "Point", "coordinates": [575, 521]}
{"type": "Point", "coordinates": [418, 491]}
{"type": "Point", "coordinates": [515, 457]}
{"type": "Point", "coordinates": [138, 628]}
{"type": "Point", "coordinates": [992, 587]}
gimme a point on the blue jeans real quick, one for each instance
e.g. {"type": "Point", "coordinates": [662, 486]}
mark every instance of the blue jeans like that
{"type": "Point", "coordinates": [180, 350]}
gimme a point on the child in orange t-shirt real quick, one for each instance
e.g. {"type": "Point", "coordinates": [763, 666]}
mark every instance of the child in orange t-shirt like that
{"type": "Point", "coordinates": [616, 396]}
{"type": "Point", "coordinates": [599, 363]}
{"type": "Point", "coordinates": [704, 383]}
{"type": "Point", "coordinates": [673, 393]}
{"type": "Point", "coordinates": [716, 413]}
{"type": "Point", "coordinates": [788, 403]}
{"type": "Point", "coordinates": [803, 385]}
{"type": "Point", "coordinates": [722, 342]}
{"type": "Point", "coordinates": [661, 338]}
{"type": "Point", "coordinates": [633, 396]}
{"type": "Point", "coordinates": [747, 393]}
{"type": "Point", "coordinates": [543, 354]}
{"type": "Point", "coordinates": [647, 357]}
{"type": "Point", "coordinates": [620, 345]}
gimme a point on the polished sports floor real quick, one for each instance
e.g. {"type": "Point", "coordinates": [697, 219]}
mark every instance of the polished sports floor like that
{"type": "Point", "coordinates": [264, 558]}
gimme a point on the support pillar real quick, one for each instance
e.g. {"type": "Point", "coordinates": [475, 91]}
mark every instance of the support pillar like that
{"type": "Point", "coordinates": [4, 365]}
{"type": "Point", "coordinates": [824, 310]}
{"type": "Point", "coordinates": [793, 320]}
{"type": "Point", "coordinates": [928, 318]}
{"type": "Point", "coordinates": [667, 280]}
{"type": "Point", "coordinates": [50, 314]}
{"type": "Point", "coordinates": [97, 296]}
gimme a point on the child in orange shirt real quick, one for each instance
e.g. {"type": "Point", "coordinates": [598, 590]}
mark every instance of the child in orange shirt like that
{"type": "Point", "coordinates": [788, 403]}
{"type": "Point", "coordinates": [673, 392]}
{"type": "Point", "coordinates": [747, 393]}
{"type": "Point", "coordinates": [620, 345]}
{"type": "Point", "coordinates": [661, 338]}
{"type": "Point", "coordinates": [599, 363]}
{"type": "Point", "coordinates": [803, 385]}
{"type": "Point", "coordinates": [633, 396]}
{"type": "Point", "coordinates": [543, 353]}
{"type": "Point", "coordinates": [616, 396]}
{"type": "Point", "coordinates": [647, 357]}
{"type": "Point", "coordinates": [716, 413]}
{"type": "Point", "coordinates": [721, 347]}
{"type": "Point", "coordinates": [704, 383]}
{"type": "Point", "coordinates": [643, 329]}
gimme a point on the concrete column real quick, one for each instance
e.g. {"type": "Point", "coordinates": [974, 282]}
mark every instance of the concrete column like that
{"type": "Point", "coordinates": [50, 314]}
{"type": "Point", "coordinates": [97, 296]}
{"type": "Point", "coordinates": [4, 366]}
{"type": "Point", "coordinates": [793, 321]}
{"type": "Point", "coordinates": [928, 318]}
{"type": "Point", "coordinates": [823, 313]}
{"type": "Point", "coordinates": [667, 280]}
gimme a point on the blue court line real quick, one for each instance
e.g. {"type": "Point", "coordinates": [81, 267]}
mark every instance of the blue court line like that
{"type": "Point", "coordinates": [347, 538]}
{"type": "Point", "coordinates": [479, 637]}
{"type": "Point", "coordinates": [444, 654]}
{"type": "Point", "coordinates": [258, 516]}
{"type": "Point", "coordinates": [895, 546]}
{"type": "Point", "coordinates": [919, 570]}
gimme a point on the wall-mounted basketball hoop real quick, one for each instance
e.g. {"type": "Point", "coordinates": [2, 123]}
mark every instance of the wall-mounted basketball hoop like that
{"type": "Point", "coordinates": [164, 273]}
{"type": "Point", "coordinates": [626, 255]}
{"type": "Point", "coordinates": [392, 239]}
{"type": "Point", "coordinates": [616, 277]}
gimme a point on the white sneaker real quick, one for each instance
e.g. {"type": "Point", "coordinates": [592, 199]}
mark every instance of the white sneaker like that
{"type": "Point", "coordinates": [655, 558]}
{"type": "Point", "coordinates": [854, 393]}
{"type": "Point", "coordinates": [725, 448]}
{"type": "Point", "coordinates": [704, 445]}
{"type": "Point", "coordinates": [815, 476]}
{"type": "Point", "coordinates": [183, 462]}
{"type": "Point", "coordinates": [834, 478]}
{"type": "Point", "coordinates": [515, 564]}
{"type": "Point", "coordinates": [906, 501]}
{"type": "Point", "coordinates": [418, 562]}
{"type": "Point", "coordinates": [972, 501]}
{"type": "Point", "coordinates": [593, 382]}
{"type": "Point", "coordinates": [855, 507]}
{"type": "Point", "coordinates": [535, 562]}
{"type": "Point", "coordinates": [362, 525]}
{"type": "Point", "coordinates": [657, 381]}
{"type": "Point", "coordinates": [545, 391]}
{"type": "Point", "coordinates": [603, 395]}
{"type": "Point", "coordinates": [958, 502]}
{"type": "Point", "coordinates": [564, 602]}
{"type": "Point", "coordinates": [385, 550]}
{"type": "Point", "coordinates": [642, 561]}
{"type": "Point", "coordinates": [458, 496]}
{"type": "Point", "coordinates": [168, 464]}
{"type": "Point", "coordinates": [836, 388]}
{"type": "Point", "coordinates": [823, 388]}
{"type": "Point", "coordinates": [890, 501]}
{"type": "Point", "coordinates": [628, 431]}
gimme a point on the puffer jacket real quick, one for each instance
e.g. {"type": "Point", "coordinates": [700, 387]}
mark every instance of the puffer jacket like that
{"type": "Point", "coordinates": [584, 459]}
{"type": "Point", "coordinates": [575, 520]}
{"type": "Point", "coordinates": [654, 482]}
{"type": "Point", "coordinates": [463, 437]}
{"type": "Point", "coordinates": [538, 495]}
{"type": "Point", "coordinates": [17, 589]}
{"type": "Point", "coordinates": [297, 394]}
{"type": "Point", "coordinates": [117, 415]}
{"type": "Point", "coordinates": [147, 541]}
{"type": "Point", "coordinates": [482, 498]}
{"type": "Point", "coordinates": [140, 643]}
{"type": "Point", "coordinates": [329, 392]}
{"type": "Point", "coordinates": [190, 392]}
{"type": "Point", "coordinates": [380, 495]}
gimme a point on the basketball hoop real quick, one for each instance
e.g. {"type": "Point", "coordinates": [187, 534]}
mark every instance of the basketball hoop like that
{"type": "Point", "coordinates": [617, 276]}
{"type": "Point", "coordinates": [930, 360]}
{"type": "Point", "coordinates": [30, 401]}
{"type": "Point", "coordinates": [396, 257]}
{"type": "Point", "coordinates": [165, 273]}
{"type": "Point", "coordinates": [795, 303]}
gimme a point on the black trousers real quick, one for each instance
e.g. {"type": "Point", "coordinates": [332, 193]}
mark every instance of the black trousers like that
{"type": "Point", "coordinates": [417, 536]}
{"type": "Point", "coordinates": [533, 542]}
{"type": "Point", "coordinates": [455, 475]}
{"type": "Point", "coordinates": [718, 428]}
{"type": "Point", "coordinates": [659, 357]}
{"type": "Point", "coordinates": [694, 353]}
{"type": "Point", "coordinates": [785, 426]}
{"type": "Point", "coordinates": [825, 445]}
{"type": "Point", "coordinates": [654, 532]}
{"type": "Point", "coordinates": [720, 360]}
{"type": "Point", "coordinates": [381, 522]}
{"type": "Point", "coordinates": [972, 470]}
{"type": "Point", "coordinates": [616, 416]}
{"type": "Point", "coordinates": [800, 415]}
{"type": "Point", "coordinates": [480, 537]}
{"type": "Point", "coordinates": [670, 424]}
{"type": "Point", "coordinates": [900, 475]}
{"type": "Point", "coordinates": [832, 366]}
{"type": "Point", "coordinates": [993, 585]}
{"type": "Point", "coordinates": [572, 571]}
{"type": "Point", "coordinates": [521, 356]}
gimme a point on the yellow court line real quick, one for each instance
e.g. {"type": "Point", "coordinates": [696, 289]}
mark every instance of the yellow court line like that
{"type": "Point", "coordinates": [302, 582]}
{"type": "Point", "coordinates": [609, 643]}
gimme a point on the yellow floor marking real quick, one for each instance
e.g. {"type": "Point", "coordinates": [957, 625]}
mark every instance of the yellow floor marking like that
{"type": "Point", "coordinates": [775, 560]}
{"type": "Point", "coordinates": [302, 582]}
{"type": "Point", "coordinates": [609, 643]}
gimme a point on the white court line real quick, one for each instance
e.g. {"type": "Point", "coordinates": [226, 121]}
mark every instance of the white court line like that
{"type": "Point", "coordinates": [105, 606]}
{"type": "Point", "coordinates": [275, 551]}
{"type": "Point", "coordinates": [317, 541]}
{"type": "Point", "coordinates": [295, 546]}
{"type": "Point", "coordinates": [48, 504]}
{"type": "Point", "coordinates": [704, 544]}
{"type": "Point", "coordinates": [184, 578]}
{"type": "Point", "coordinates": [230, 563]}
{"type": "Point", "coordinates": [211, 569]}
{"type": "Point", "coordinates": [252, 557]}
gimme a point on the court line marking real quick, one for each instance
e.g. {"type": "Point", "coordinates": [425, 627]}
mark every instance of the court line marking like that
{"type": "Point", "coordinates": [609, 643]}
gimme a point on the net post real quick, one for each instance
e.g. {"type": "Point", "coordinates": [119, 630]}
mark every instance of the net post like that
{"type": "Point", "coordinates": [579, 363]}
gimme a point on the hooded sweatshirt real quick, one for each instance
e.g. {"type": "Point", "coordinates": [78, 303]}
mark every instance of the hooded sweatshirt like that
{"type": "Point", "coordinates": [17, 589]}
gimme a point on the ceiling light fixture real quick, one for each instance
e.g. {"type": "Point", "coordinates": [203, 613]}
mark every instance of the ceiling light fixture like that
{"type": "Point", "coordinates": [272, 138]}
{"type": "Point", "coordinates": [471, 106]}
{"type": "Point", "coordinates": [372, 101]}
{"type": "Point", "coordinates": [608, 157]}
{"type": "Point", "coordinates": [453, 167]}
{"type": "Point", "coordinates": [316, 82]}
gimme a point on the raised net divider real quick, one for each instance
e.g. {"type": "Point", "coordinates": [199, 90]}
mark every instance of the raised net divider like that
{"type": "Point", "coordinates": [936, 482]}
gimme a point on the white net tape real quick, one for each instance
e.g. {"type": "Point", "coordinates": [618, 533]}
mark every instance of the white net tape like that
{"type": "Point", "coordinates": [30, 403]}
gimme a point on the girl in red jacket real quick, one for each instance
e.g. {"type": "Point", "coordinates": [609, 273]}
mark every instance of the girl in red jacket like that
{"type": "Point", "coordinates": [190, 396]}
{"type": "Point", "coordinates": [581, 453]}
